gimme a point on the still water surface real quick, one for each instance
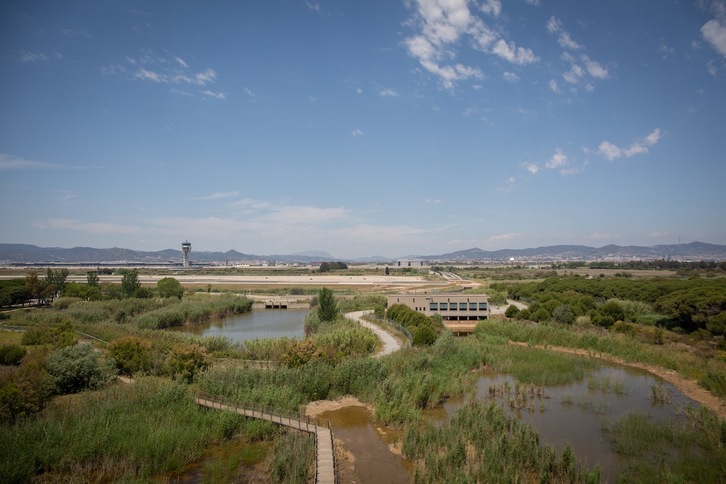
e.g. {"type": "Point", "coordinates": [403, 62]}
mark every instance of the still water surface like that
{"type": "Point", "coordinates": [262, 323]}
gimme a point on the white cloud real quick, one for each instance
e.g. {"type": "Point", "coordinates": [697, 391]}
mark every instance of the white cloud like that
{"type": "Point", "coordinates": [435, 201]}
{"type": "Point", "coordinates": [658, 235]}
{"type": "Point", "coordinates": [214, 94]}
{"type": "Point", "coordinates": [514, 54]}
{"type": "Point", "coordinates": [491, 7]}
{"type": "Point", "coordinates": [715, 33]}
{"type": "Point", "coordinates": [566, 42]}
{"type": "Point", "coordinates": [388, 92]}
{"type": "Point", "coordinates": [218, 196]}
{"type": "Point", "coordinates": [594, 68]}
{"type": "Point", "coordinates": [558, 160]}
{"type": "Point", "coordinates": [356, 133]}
{"type": "Point", "coordinates": [611, 151]}
{"type": "Point", "coordinates": [510, 77]}
{"type": "Point", "coordinates": [601, 236]}
{"type": "Point", "coordinates": [147, 75]}
{"type": "Point", "coordinates": [441, 25]}
{"type": "Point", "coordinates": [536, 3]}
{"type": "Point", "coordinates": [533, 168]}
{"type": "Point", "coordinates": [553, 86]}
{"type": "Point", "coordinates": [181, 62]}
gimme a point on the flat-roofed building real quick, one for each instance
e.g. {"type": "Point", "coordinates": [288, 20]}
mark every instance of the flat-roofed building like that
{"type": "Point", "coordinates": [451, 307]}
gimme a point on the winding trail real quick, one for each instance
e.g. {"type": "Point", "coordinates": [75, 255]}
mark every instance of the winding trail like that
{"type": "Point", "coordinates": [390, 345]}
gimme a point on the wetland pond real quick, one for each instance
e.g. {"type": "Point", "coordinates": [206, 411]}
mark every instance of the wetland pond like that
{"type": "Point", "coordinates": [575, 413]}
{"type": "Point", "coordinates": [259, 323]}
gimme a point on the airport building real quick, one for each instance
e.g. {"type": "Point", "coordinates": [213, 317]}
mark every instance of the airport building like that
{"type": "Point", "coordinates": [451, 307]}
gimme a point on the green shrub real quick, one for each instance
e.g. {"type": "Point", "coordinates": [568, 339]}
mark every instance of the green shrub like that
{"type": "Point", "coordinates": [186, 362]}
{"type": "Point", "coordinates": [77, 368]}
{"type": "Point", "coordinates": [11, 354]}
{"type": "Point", "coordinates": [131, 354]}
{"type": "Point", "coordinates": [512, 311]}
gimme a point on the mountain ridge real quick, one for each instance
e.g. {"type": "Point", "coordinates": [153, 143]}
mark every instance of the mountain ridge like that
{"type": "Point", "coordinates": [28, 253]}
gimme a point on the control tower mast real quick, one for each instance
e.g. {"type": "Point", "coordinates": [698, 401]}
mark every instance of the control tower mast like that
{"type": "Point", "coordinates": [186, 249]}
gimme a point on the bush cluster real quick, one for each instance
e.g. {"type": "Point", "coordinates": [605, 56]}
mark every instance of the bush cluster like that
{"type": "Point", "coordinates": [424, 329]}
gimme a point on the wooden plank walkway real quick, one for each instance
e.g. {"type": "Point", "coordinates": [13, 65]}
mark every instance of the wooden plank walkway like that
{"type": "Point", "coordinates": [325, 467]}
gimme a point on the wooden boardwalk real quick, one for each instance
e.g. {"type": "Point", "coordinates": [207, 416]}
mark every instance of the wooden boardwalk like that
{"type": "Point", "coordinates": [325, 466]}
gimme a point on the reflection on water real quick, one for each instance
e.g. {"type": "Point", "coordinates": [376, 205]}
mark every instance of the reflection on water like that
{"type": "Point", "coordinates": [263, 323]}
{"type": "Point", "coordinates": [374, 462]}
{"type": "Point", "coordinates": [575, 412]}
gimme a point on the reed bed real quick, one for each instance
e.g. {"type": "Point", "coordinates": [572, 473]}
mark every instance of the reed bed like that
{"type": "Point", "coordinates": [482, 443]}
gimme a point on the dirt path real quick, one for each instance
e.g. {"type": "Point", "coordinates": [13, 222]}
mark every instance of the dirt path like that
{"type": "Point", "coordinates": [389, 343]}
{"type": "Point", "coordinates": [688, 387]}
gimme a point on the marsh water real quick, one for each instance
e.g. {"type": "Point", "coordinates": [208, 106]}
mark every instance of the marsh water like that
{"type": "Point", "coordinates": [259, 323]}
{"type": "Point", "coordinates": [574, 413]}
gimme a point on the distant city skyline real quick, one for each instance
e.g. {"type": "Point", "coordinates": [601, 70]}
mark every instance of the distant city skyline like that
{"type": "Point", "coordinates": [384, 128]}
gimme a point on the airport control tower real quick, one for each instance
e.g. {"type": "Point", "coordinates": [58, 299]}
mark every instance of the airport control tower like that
{"type": "Point", "coordinates": [186, 248]}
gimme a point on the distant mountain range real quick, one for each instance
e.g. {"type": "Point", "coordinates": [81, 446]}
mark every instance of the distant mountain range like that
{"type": "Point", "coordinates": [31, 254]}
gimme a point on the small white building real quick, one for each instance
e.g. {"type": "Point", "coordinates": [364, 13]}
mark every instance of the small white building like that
{"type": "Point", "coordinates": [451, 307]}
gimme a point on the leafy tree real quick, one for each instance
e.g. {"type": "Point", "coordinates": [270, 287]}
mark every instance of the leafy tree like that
{"type": "Point", "coordinates": [92, 278]}
{"type": "Point", "coordinates": [57, 278]}
{"type": "Point", "coordinates": [512, 311]}
{"type": "Point", "coordinates": [130, 282]}
{"type": "Point", "coordinates": [327, 307]}
{"type": "Point", "coordinates": [186, 361]}
{"type": "Point", "coordinates": [77, 368]}
{"type": "Point", "coordinates": [613, 310]}
{"type": "Point", "coordinates": [540, 315]}
{"type": "Point", "coordinates": [387, 271]}
{"type": "Point", "coordinates": [35, 286]}
{"type": "Point", "coordinates": [524, 314]}
{"type": "Point", "coordinates": [169, 287]}
{"type": "Point", "coordinates": [563, 314]}
{"type": "Point", "coordinates": [329, 266]}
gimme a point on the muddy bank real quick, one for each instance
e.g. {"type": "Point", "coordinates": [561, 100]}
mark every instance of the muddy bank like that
{"type": "Point", "coordinates": [688, 387]}
{"type": "Point", "coordinates": [365, 452]}
{"type": "Point", "coordinates": [314, 409]}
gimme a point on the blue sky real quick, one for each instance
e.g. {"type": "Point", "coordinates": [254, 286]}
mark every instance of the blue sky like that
{"type": "Point", "coordinates": [381, 127]}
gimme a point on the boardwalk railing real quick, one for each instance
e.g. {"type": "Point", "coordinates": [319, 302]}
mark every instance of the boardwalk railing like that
{"type": "Point", "coordinates": [326, 468]}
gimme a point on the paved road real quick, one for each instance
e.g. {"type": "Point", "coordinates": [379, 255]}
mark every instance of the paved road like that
{"type": "Point", "coordinates": [389, 342]}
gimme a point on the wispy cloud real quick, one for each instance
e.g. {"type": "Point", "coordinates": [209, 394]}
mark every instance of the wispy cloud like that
{"type": "Point", "coordinates": [214, 94]}
{"type": "Point", "coordinates": [148, 67]}
{"type": "Point", "coordinates": [31, 57]}
{"type": "Point", "coordinates": [611, 151]}
{"type": "Point", "coordinates": [356, 132]}
{"type": "Point", "coordinates": [442, 25]}
{"type": "Point", "coordinates": [601, 236]}
{"type": "Point", "coordinates": [218, 196]}
{"type": "Point", "coordinates": [314, 6]}
{"type": "Point", "coordinates": [10, 162]}
{"type": "Point", "coordinates": [388, 92]}
{"type": "Point", "coordinates": [510, 77]}
{"type": "Point", "coordinates": [80, 226]}
{"type": "Point", "coordinates": [581, 68]}
{"type": "Point", "coordinates": [75, 33]}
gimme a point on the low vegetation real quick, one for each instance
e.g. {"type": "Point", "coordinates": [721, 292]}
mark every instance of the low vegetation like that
{"type": "Point", "coordinates": [62, 414]}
